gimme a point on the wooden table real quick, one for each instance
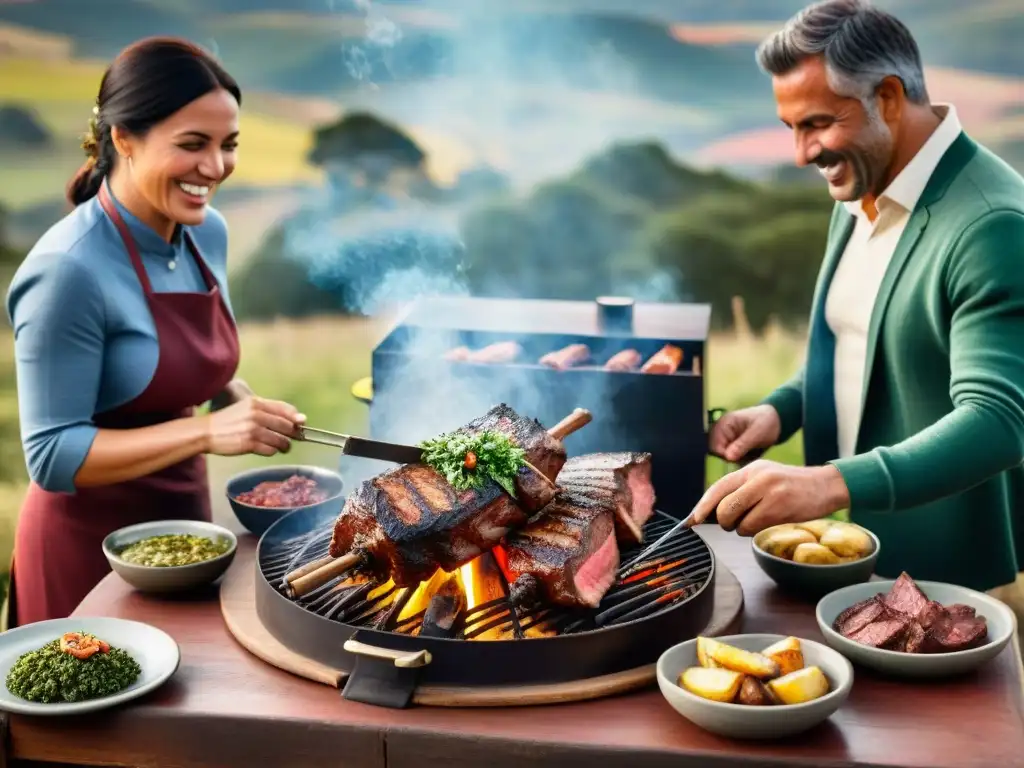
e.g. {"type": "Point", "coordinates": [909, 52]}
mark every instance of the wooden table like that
{"type": "Point", "coordinates": [226, 708]}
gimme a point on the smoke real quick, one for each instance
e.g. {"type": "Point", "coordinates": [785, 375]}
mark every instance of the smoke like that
{"type": "Point", "coordinates": [524, 114]}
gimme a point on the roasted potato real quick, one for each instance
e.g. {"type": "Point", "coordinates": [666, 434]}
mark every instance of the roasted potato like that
{"type": "Point", "coordinates": [816, 527]}
{"type": "Point", "coordinates": [753, 693]}
{"type": "Point", "coordinates": [781, 543]}
{"type": "Point", "coordinates": [815, 554]}
{"type": "Point", "coordinates": [744, 662]}
{"type": "Point", "coordinates": [704, 644]}
{"type": "Point", "coordinates": [787, 654]}
{"type": "Point", "coordinates": [847, 541]}
{"type": "Point", "coordinates": [712, 684]}
{"type": "Point", "coordinates": [798, 687]}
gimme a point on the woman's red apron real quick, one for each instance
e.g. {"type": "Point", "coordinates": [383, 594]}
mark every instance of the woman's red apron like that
{"type": "Point", "coordinates": [58, 556]}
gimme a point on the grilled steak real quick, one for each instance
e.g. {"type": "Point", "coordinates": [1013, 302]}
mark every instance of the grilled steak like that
{"type": "Point", "coordinates": [623, 480]}
{"type": "Point", "coordinates": [906, 620]}
{"type": "Point", "coordinates": [567, 555]}
{"type": "Point", "coordinates": [410, 521]}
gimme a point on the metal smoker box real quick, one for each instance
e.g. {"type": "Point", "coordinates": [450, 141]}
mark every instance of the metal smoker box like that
{"type": "Point", "coordinates": [418, 393]}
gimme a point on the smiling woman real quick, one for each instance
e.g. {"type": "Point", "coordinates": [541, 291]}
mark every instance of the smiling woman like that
{"type": "Point", "coordinates": [123, 326]}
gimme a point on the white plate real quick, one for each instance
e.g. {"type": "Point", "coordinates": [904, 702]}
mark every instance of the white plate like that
{"type": "Point", "coordinates": [154, 650]}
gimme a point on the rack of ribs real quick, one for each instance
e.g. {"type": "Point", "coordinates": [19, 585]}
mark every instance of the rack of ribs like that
{"type": "Point", "coordinates": [407, 522]}
{"type": "Point", "coordinates": [621, 479]}
{"type": "Point", "coordinates": [568, 555]}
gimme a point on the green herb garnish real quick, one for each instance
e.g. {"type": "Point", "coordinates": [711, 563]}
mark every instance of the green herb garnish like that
{"type": "Point", "coordinates": [470, 460]}
{"type": "Point", "coordinates": [49, 675]}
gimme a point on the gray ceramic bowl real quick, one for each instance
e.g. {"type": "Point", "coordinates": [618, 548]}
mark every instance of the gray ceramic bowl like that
{"type": "Point", "coordinates": [258, 519]}
{"type": "Point", "coordinates": [744, 722]}
{"type": "Point", "coordinates": [814, 581]}
{"type": "Point", "coordinates": [173, 578]}
{"type": "Point", "coordinates": [1002, 624]}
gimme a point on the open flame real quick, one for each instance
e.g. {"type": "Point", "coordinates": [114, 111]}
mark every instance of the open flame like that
{"type": "Point", "coordinates": [480, 582]}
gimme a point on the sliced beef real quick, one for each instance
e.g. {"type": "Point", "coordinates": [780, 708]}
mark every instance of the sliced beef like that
{"type": "Point", "coordinates": [883, 633]}
{"type": "Point", "coordinates": [858, 616]}
{"type": "Point", "coordinates": [955, 634]}
{"type": "Point", "coordinates": [913, 639]}
{"type": "Point", "coordinates": [906, 620]}
{"type": "Point", "coordinates": [931, 612]}
{"type": "Point", "coordinates": [622, 479]}
{"type": "Point", "coordinates": [906, 597]}
{"type": "Point", "coordinates": [961, 611]}
{"type": "Point", "coordinates": [567, 555]}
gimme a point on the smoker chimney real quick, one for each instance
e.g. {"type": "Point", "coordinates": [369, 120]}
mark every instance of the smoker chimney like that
{"type": "Point", "coordinates": [615, 314]}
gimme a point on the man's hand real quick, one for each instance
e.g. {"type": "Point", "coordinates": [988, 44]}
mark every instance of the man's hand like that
{"type": "Point", "coordinates": [738, 433]}
{"type": "Point", "coordinates": [766, 493]}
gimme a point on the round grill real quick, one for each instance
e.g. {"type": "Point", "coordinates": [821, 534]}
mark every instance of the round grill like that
{"type": "Point", "coordinates": [666, 600]}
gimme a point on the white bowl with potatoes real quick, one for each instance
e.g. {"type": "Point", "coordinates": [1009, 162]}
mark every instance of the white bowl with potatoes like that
{"type": "Point", "coordinates": [816, 557]}
{"type": "Point", "coordinates": [754, 686]}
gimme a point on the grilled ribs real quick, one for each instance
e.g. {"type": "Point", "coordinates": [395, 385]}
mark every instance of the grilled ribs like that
{"type": "Point", "coordinates": [568, 555]}
{"type": "Point", "coordinates": [906, 620]}
{"type": "Point", "coordinates": [623, 479]}
{"type": "Point", "coordinates": [409, 521]}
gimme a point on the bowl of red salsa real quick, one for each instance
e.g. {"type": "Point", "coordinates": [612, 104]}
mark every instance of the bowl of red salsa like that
{"type": "Point", "coordinates": [261, 497]}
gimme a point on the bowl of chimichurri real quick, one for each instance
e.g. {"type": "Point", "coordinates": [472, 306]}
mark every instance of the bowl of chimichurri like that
{"type": "Point", "coordinates": [170, 555]}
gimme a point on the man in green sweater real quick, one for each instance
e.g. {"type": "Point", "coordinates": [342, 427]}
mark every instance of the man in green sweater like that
{"type": "Point", "coordinates": [911, 399]}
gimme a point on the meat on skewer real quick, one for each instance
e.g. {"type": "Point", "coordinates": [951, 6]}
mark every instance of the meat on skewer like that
{"type": "Point", "coordinates": [666, 360]}
{"type": "Point", "coordinates": [567, 555]}
{"type": "Point", "coordinates": [567, 357]}
{"type": "Point", "coordinates": [626, 360]}
{"type": "Point", "coordinates": [407, 522]}
{"type": "Point", "coordinates": [621, 478]}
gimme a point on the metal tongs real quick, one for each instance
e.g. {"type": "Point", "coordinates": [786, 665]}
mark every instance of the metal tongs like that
{"type": "Point", "coordinates": [351, 445]}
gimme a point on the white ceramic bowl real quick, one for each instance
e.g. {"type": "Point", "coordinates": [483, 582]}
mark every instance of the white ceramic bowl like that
{"type": "Point", "coordinates": [814, 581]}
{"type": "Point", "coordinates": [1002, 623]}
{"type": "Point", "coordinates": [745, 722]}
{"type": "Point", "coordinates": [177, 578]}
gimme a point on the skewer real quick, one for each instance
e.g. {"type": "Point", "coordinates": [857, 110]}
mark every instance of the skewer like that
{"type": "Point", "coordinates": [299, 584]}
{"type": "Point", "coordinates": [304, 580]}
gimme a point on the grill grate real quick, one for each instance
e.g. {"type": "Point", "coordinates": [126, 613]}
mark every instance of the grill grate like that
{"type": "Point", "coordinates": [677, 570]}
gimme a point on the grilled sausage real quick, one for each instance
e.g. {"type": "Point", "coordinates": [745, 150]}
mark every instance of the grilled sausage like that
{"type": "Point", "coordinates": [665, 360]}
{"type": "Point", "coordinates": [567, 357]}
{"type": "Point", "coordinates": [501, 352]}
{"type": "Point", "coordinates": [626, 360]}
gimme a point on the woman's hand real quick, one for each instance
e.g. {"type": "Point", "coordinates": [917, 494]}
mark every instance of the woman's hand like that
{"type": "Point", "coordinates": [252, 425]}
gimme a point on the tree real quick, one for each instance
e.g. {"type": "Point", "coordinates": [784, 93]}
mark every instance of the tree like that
{"type": "Point", "coordinates": [364, 149]}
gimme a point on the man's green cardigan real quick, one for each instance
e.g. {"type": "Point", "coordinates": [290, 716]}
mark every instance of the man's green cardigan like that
{"type": "Point", "coordinates": [938, 472]}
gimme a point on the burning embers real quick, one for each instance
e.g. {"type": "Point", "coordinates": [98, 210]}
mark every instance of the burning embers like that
{"type": "Point", "coordinates": [476, 603]}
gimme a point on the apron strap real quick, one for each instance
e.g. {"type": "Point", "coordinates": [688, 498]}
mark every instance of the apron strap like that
{"type": "Point", "coordinates": [208, 278]}
{"type": "Point", "coordinates": [126, 236]}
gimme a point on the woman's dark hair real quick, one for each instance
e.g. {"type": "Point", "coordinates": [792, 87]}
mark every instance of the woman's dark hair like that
{"type": "Point", "coordinates": [148, 82]}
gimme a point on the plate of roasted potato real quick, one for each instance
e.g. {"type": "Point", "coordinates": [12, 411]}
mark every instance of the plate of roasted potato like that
{"type": "Point", "coordinates": [754, 686]}
{"type": "Point", "coordinates": [816, 557]}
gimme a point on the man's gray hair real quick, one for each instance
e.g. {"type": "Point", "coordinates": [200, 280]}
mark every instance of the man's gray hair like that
{"type": "Point", "coordinates": [861, 45]}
